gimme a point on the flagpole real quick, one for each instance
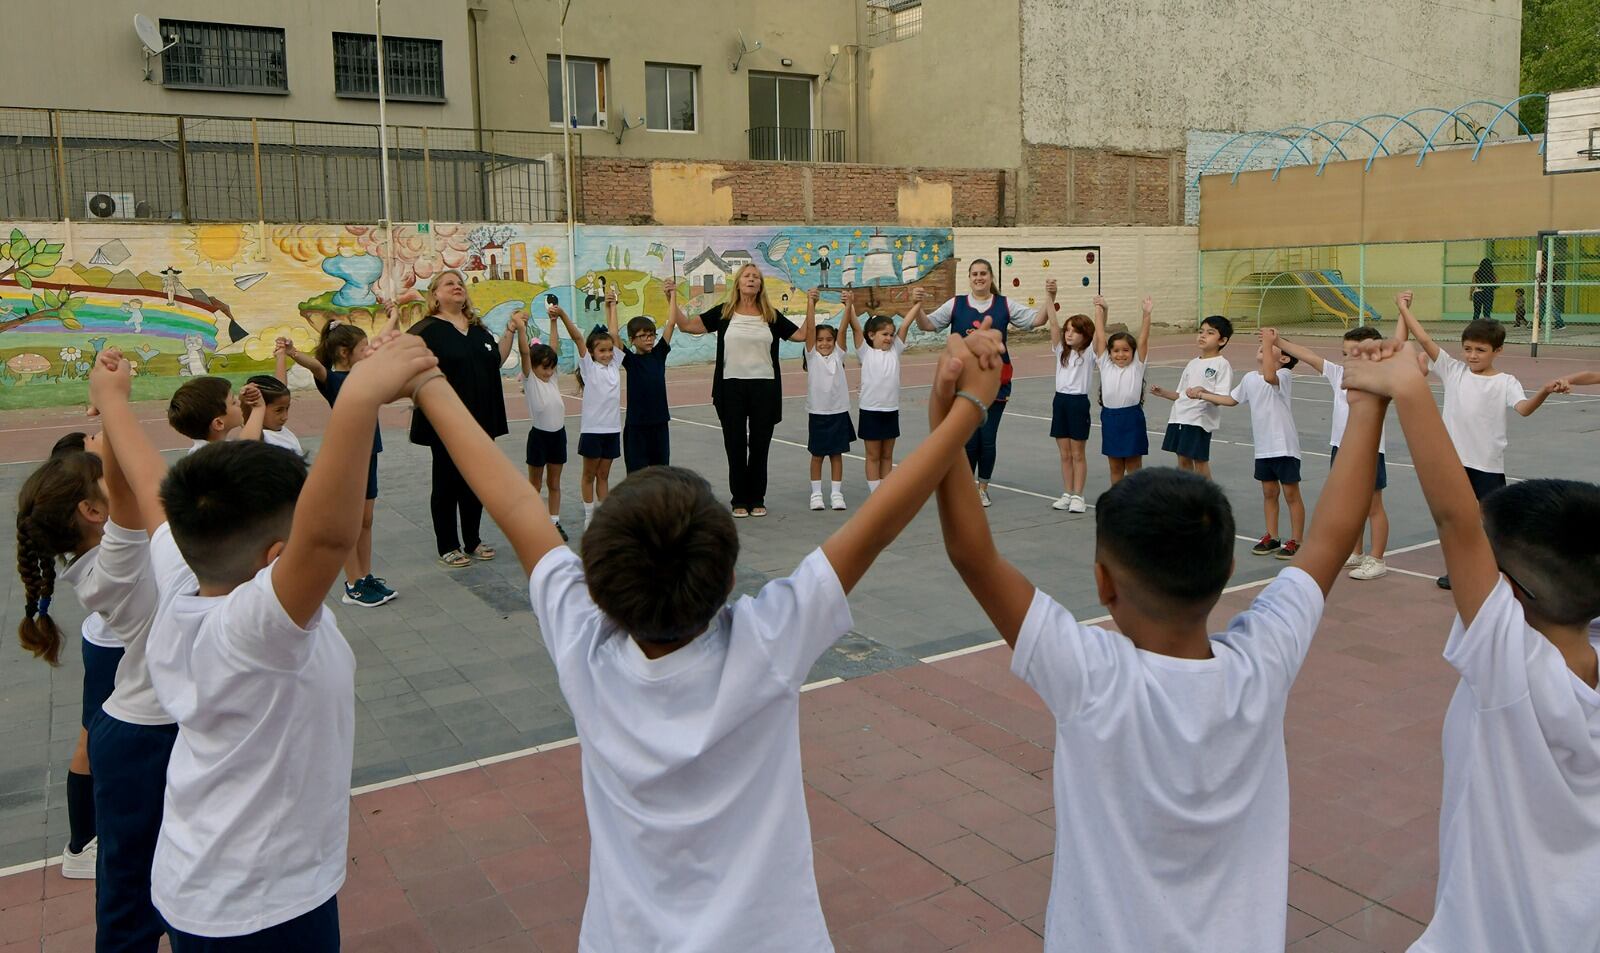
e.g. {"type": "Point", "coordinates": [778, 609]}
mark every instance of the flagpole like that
{"type": "Point", "coordinates": [566, 140]}
{"type": "Point", "coordinates": [383, 152]}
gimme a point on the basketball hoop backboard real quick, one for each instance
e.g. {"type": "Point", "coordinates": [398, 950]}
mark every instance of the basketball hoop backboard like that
{"type": "Point", "coordinates": [1572, 132]}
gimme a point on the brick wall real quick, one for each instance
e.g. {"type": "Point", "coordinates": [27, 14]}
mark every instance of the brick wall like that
{"type": "Point", "coordinates": [1065, 186]}
{"type": "Point", "coordinates": [619, 192]}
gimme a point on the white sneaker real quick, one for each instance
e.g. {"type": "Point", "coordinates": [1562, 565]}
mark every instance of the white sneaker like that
{"type": "Point", "coordinates": [80, 866]}
{"type": "Point", "coordinates": [983, 497]}
{"type": "Point", "coordinates": [816, 501]}
{"type": "Point", "coordinates": [1064, 503]}
{"type": "Point", "coordinates": [1355, 559]}
{"type": "Point", "coordinates": [838, 500]}
{"type": "Point", "coordinates": [1079, 505]}
{"type": "Point", "coordinates": [1370, 568]}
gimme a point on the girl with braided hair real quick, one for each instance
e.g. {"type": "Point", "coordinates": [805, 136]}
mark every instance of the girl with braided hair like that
{"type": "Point", "coordinates": [61, 512]}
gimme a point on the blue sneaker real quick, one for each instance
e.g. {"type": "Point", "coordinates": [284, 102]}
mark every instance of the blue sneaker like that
{"type": "Point", "coordinates": [381, 585]}
{"type": "Point", "coordinates": [362, 594]}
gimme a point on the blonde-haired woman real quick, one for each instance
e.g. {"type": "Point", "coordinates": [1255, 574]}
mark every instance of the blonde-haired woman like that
{"type": "Point", "coordinates": [470, 358]}
{"type": "Point", "coordinates": [746, 388]}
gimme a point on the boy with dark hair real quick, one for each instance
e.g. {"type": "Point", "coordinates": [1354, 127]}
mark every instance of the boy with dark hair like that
{"type": "Point", "coordinates": [1193, 421]}
{"type": "Point", "coordinates": [1519, 829]}
{"type": "Point", "coordinates": [1476, 396]}
{"type": "Point", "coordinates": [205, 409]}
{"type": "Point", "coordinates": [688, 708]}
{"type": "Point", "coordinates": [646, 434]}
{"type": "Point", "coordinates": [251, 851]}
{"type": "Point", "coordinates": [1169, 740]}
{"type": "Point", "coordinates": [1269, 391]}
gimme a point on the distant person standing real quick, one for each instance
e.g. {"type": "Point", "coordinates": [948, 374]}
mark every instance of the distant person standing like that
{"type": "Point", "coordinates": [1483, 288]}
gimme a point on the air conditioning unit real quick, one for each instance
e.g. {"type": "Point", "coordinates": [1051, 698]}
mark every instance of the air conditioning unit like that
{"type": "Point", "coordinates": [108, 204]}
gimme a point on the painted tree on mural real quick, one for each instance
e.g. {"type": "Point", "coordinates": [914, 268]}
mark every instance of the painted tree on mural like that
{"type": "Point", "coordinates": [23, 260]}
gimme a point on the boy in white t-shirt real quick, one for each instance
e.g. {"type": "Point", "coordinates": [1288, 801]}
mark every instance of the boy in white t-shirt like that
{"type": "Point", "coordinates": [1193, 421]}
{"type": "Point", "coordinates": [243, 655]}
{"type": "Point", "coordinates": [1519, 828]}
{"type": "Point", "coordinates": [688, 708]}
{"type": "Point", "coordinates": [206, 410]}
{"type": "Point", "coordinates": [1269, 393]}
{"type": "Point", "coordinates": [1171, 782]}
{"type": "Point", "coordinates": [1475, 400]}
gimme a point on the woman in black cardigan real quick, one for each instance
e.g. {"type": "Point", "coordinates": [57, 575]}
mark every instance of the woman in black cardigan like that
{"type": "Point", "coordinates": [470, 358]}
{"type": "Point", "coordinates": [747, 389]}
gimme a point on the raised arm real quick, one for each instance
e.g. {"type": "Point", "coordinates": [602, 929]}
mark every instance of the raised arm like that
{"type": "Point", "coordinates": [572, 329]}
{"type": "Point", "coordinates": [287, 348]}
{"type": "Point", "coordinates": [854, 326]}
{"type": "Point", "coordinates": [1056, 335]}
{"type": "Point", "coordinates": [1147, 308]}
{"type": "Point", "coordinates": [1100, 314]}
{"type": "Point", "coordinates": [1304, 355]}
{"type": "Point", "coordinates": [255, 408]}
{"type": "Point", "coordinates": [110, 382]}
{"type": "Point", "coordinates": [611, 318]}
{"type": "Point", "coordinates": [327, 516]}
{"type": "Point", "coordinates": [523, 355]}
{"type": "Point", "coordinates": [904, 328]}
{"type": "Point", "coordinates": [508, 339]}
{"type": "Point", "coordinates": [917, 314]}
{"type": "Point", "coordinates": [685, 323]}
{"type": "Point", "coordinates": [808, 330]}
{"type": "Point", "coordinates": [1044, 314]}
{"type": "Point", "coordinates": [1580, 379]}
{"type": "Point", "coordinates": [1267, 361]}
{"type": "Point", "coordinates": [1347, 496]}
{"type": "Point", "coordinates": [1415, 327]}
{"type": "Point", "coordinates": [392, 321]}
{"type": "Point", "coordinates": [280, 366]}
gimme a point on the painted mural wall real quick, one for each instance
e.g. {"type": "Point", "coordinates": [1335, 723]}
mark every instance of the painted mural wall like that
{"type": "Point", "coordinates": [183, 300]}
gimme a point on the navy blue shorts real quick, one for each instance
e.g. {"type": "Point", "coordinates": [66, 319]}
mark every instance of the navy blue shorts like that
{"type": "Point", "coordinates": [1069, 417]}
{"type": "Point", "coordinates": [829, 434]}
{"type": "Point", "coordinates": [1483, 482]}
{"type": "Point", "coordinates": [546, 447]}
{"type": "Point", "coordinates": [646, 445]}
{"type": "Point", "coordinates": [1383, 470]}
{"type": "Point", "coordinates": [1188, 440]}
{"type": "Point", "coordinates": [130, 783]}
{"type": "Point", "coordinates": [600, 446]}
{"type": "Point", "coordinates": [1278, 470]}
{"type": "Point", "coordinates": [372, 477]}
{"type": "Point", "coordinates": [879, 424]}
{"type": "Point", "coordinates": [99, 677]}
{"type": "Point", "coordinates": [314, 932]}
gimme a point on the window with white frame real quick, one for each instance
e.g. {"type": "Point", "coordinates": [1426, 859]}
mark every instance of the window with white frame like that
{"type": "Point", "coordinates": [224, 57]}
{"type": "Point", "coordinates": [669, 95]}
{"type": "Point", "coordinates": [586, 79]}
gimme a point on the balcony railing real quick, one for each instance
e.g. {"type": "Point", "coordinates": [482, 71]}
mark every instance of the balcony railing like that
{"type": "Point", "coordinates": [785, 144]}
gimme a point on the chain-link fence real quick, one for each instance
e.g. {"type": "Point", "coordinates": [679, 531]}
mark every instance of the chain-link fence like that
{"type": "Point", "coordinates": [1543, 287]}
{"type": "Point", "coordinates": [96, 165]}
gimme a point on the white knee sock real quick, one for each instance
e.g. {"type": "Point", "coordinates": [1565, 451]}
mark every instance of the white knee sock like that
{"type": "Point", "coordinates": [816, 486]}
{"type": "Point", "coordinates": [872, 485]}
{"type": "Point", "coordinates": [588, 511]}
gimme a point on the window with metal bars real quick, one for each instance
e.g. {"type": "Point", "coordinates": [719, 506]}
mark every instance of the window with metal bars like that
{"type": "Point", "coordinates": [224, 57]}
{"type": "Point", "coordinates": [414, 67]}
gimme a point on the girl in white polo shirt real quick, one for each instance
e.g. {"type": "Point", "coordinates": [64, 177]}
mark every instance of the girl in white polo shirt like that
{"type": "Point", "coordinates": [547, 409]}
{"type": "Point", "coordinates": [1069, 414]}
{"type": "Point", "coordinates": [1121, 360]}
{"type": "Point", "coordinates": [878, 347]}
{"type": "Point", "coordinates": [600, 425]}
{"type": "Point", "coordinates": [829, 432]}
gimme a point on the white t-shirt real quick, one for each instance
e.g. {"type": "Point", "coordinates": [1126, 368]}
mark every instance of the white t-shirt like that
{"type": "Point", "coordinates": [547, 410]}
{"type": "Point", "coordinates": [1214, 374]}
{"type": "Point", "coordinates": [1341, 406]}
{"type": "Point", "coordinates": [827, 388]}
{"type": "Point", "coordinates": [1171, 784]}
{"type": "Point", "coordinates": [94, 631]}
{"type": "Point", "coordinates": [602, 395]}
{"type": "Point", "coordinates": [747, 348]}
{"type": "Point", "coordinates": [1475, 412]}
{"type": "Point", "coordinates": [114, 580]}
{"type": "Point", "coordinates": [1271, 414]}
{"type": "Point", "coordinates": [1073, 376]}
{"type": "Point", "coordinates": [197, 445]}
{"type": "Point", "coordinates": [1120, 386]}
{"type": "Point", "coordinates": [880, 377]}
{"type": "Point", "coordinates": [257, 810]}
{"type": "Point", "coordinates": [1519, 827]}
{"type": "Point", "coordinates": [699, 838]}
{"type": "Point", "coordinates": [284, 438]}
{"type": "Point", "coordinates": [1021, 315]}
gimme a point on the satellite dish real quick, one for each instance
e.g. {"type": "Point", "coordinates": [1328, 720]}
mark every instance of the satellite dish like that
{"type": "Point", "coordinates": [149, 35]}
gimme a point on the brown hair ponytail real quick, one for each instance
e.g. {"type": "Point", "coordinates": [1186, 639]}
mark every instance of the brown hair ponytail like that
{"type": "Point", "coordinates": [48, 529]}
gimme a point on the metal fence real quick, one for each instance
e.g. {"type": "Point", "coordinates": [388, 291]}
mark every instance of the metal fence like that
{"type": "Point", "coordinates": [1544, 288]}
{"type": "Point", "coordinates": [58, 163]}
{"type": "Point", "coordinates": [786, 144]}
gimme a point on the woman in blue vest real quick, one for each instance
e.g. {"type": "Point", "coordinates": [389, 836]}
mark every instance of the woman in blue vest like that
{"type": "Point", "coordinates": [962, 315]}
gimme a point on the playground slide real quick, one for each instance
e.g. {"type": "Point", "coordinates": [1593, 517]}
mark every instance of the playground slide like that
{"type": "Point", "coordinates": [1329, 289]}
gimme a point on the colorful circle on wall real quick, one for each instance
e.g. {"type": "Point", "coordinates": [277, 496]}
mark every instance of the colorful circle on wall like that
{"type": "Point", "coordinates": [1058, 306]}
{"type": "Point", "coordinates": [1030, 302]}
{"type": "Point", "coordinates": [1086, 281]}
{"type": "Point", "coordinates": [1089, 258]}
{"type": "Point", "coordinates": [1008, 259]}
{"type": "Point", "coordinates": [1045, 263]}
{"type": "Point", "coordinates": [1016, 282]}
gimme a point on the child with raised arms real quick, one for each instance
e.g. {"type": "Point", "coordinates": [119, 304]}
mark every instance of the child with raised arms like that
{"type": "Point", "coordinates": [275, 400]}
{"type": "Point", "coordinates": [1070, 342]}
{"type": "Point", "coordinates": [878, 347]}
{"type": "Point", "coordinates": [1121, 361]}
{"type": "Point", "coordinates": [600, 423]}
{"type": "Point", "coordinates": [828, 428]}
{"type": "Point", "coordinates": [1171, 780]}
{"type": "Point", "coordinates": [1193, 420]}
{"type": "Point", "coordinates": [547, 410]}
{"type": "Point", "coordinates": [1519, 825]}
{"type": "Point", "coordinates": [688, 708]}
{"type": "Point", "coordinates": [647, 433]}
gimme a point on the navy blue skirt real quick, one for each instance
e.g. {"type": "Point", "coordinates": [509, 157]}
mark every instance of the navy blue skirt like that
{"type": "Point", "coordinates": [829, 434]}
{"type": "Point", "coordinates": [599, 446]}
{"type": "Point", "coordinates": [546, 447]}
{"type": "Point", "coordinates": [1069, 417]}
{"type": "Point", "coordinates": [880, 424]}
{"type": "Point", "coordinates": [1122, 432]}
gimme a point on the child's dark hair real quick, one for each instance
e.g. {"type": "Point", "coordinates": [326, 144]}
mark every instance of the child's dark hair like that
{"type": "Point", "coordinates": [1133, 342]}
{"type": "Point", "coordinates": [1085, 328]}
{"type": "Point", "coordinates": [1287, 361]}
{"type": "Point", "coordinates": [1543, 535]}
{"type": "Point", "coordinates": [542, 355]}
{"type": "Point", "coordinates": [1172, 531]}
{"type": "Point", "coordinates": [1366, 332]}
{"type": "Point", "coordinates": [639, 325]}
{"type": "Point", "coordinates": [338, 342]}
{"type": "Point", "coordinates": [70, 442]}
{"type": "Point", "coordinates": [227, 503]}
{"type": "Point", "coordinates": [875, 324]}
{"type": "Point", "coordinates": [272, 389]}
{"type": "Point", "coordinates": [1223, 325]}
{"type": "Point", "coordinates": [196, 404]}
{"type": "Point", "coordinates": [827, 329]}
{"type": "Point", "coordinates": [47, 531]}
{"type": "Point", "coordinates": [1485, 331]}
{"type": "Point", "coordinates": [659, 555]}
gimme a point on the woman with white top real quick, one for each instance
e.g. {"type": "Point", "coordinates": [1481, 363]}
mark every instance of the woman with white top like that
{"type": "Point", "coordinates": [1069, 411]}
{"type": "Point", "coordinates": [1121, 360]}
{"type": "Point", "coordinates": [829, 431]}
{"type": "Point", "coordinates": [964, 314]}
{"type": "Point", "coordinates": [746, 388]}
